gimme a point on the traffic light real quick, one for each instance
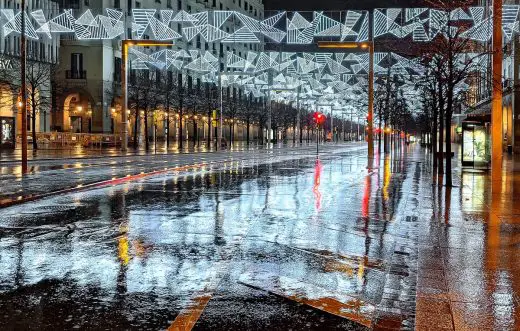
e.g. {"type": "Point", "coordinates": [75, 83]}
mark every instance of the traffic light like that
{"type": "Point", "coordinates": [319, 118]}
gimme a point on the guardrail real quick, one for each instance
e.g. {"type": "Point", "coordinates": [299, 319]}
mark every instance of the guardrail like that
{"type": "Point", "coordinates": [67, 139]}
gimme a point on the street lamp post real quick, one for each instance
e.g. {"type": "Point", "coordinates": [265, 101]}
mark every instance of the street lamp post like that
{"type": "Point", "coordinates": [126, 44]}
{"type": "Point", "coordinates": [496, 99]}
{"type": "Point", "coordinates": [23, 92]}
{"type": "Point", "coordinates": [368, 45]}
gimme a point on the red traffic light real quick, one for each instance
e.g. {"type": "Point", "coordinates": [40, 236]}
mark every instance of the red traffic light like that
{"type": "Point", "coordinates": [319, 118]}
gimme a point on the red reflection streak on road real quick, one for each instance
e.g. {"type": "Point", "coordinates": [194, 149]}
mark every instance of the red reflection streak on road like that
{"type": "Point", "coordinates": [317, 178]}
{"type": "Point", "coordinates": [365, 203]}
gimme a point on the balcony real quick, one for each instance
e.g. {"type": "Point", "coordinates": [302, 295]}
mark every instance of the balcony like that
{"type": "Point", "coordinates": [70, 74]}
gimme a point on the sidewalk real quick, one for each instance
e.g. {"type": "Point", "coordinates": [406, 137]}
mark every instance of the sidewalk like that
{"type": "Point", "coordinates": [468, 275]}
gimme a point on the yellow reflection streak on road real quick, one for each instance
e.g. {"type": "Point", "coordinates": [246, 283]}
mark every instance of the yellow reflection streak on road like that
{"type": "Point", "coordinates": [387, 177]}
{"type": "Point", "coordinates": [123, 245]}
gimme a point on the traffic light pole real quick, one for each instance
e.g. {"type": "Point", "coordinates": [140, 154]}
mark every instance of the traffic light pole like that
{"type": "Point", "coordinates": [317, 140]}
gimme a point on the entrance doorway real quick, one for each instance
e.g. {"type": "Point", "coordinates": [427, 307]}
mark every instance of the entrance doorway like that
{"type": "Point", "coordinates": [7, 134]}
{"type": "Point", "coordinates": [76, 124]}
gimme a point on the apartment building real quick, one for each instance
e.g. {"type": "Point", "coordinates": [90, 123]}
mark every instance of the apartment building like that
{"type": "Point", "coordinates": [90, 71]}
{"type": "Point", "coordinates": [42, 56]}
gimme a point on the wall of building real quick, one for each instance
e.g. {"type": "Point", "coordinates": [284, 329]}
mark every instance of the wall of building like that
{"type": "Point", "coordinates": [99, 57]}
{"type": "Point", "coordinates": [41, 55]}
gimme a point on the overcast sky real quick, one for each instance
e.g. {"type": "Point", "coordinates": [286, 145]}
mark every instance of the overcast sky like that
{"type": "Point", "coordinates": [337, 4]}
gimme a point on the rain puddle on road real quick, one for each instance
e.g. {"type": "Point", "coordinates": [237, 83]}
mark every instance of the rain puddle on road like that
{"type": "Point", "coordinates": [205, 249]}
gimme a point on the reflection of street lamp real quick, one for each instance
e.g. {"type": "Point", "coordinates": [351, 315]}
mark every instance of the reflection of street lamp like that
{"type": "Point", "coordinates": [368, 45]}
{"type": "Point", "coordinates": [126, 44]}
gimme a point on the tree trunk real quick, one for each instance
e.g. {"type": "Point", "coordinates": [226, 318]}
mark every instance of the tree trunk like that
{"type": "Point", "coordinates": [449, 180]}
{"type": "Point", "coordinates": [301, 131]}
{"type": "Point", "coordinates": [380, 132]}
{"type": "Point", "coordinates": [261, 128]}
{"type": "Point", "coordinates": [441, 132]}
{"type": "Point", "coordinates": [247, 132]}
{"type": "Point", "coordinates": [434, 132]}
{"type": "Point", "coordinates": [33, 124]}
{"type": "Point", "coordinates": [167, 124]}
{"type": "Point", "coordinates": [146, 142]}
{"type": "Point", "coordinates": [209, 126]}
{"type": "Point", "coordinates": [195, 133]}
{"type": "Point", "coordinates": [181, 136]}
{"type": "Point", "coordinates": [294, 132]}
{"type": "Point", "coordinates": [136, 123]}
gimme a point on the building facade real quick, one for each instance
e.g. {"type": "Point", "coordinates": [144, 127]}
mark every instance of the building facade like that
{"type": "Point", "coordinates": [42, 57]}
{"type": "Point", "coordinates": [480, 89]}
{"type": "Point", "coordinates": [89, 72]}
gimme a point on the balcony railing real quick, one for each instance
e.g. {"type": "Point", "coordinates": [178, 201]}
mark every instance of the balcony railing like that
{"type": "Point", "coordinates": [70, 74]}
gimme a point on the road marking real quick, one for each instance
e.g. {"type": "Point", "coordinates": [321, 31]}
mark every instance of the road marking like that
{"type": "Point", "coordinates": [330, 301]}
{"type": "Point", "coordinates": [187, 318]}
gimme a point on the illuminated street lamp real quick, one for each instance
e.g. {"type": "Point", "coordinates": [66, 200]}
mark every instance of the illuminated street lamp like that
{"type": "Point", "coordinates": [126, 44]}
{"type": "Point", "coordinates": [370, 47]}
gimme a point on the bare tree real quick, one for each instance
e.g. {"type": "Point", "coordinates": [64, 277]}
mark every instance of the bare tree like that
{"type": "Point", "coordinates": [142, 96]}
{"type": "Point", "coordinates": [454, 60]}
{"type": "Point", "coordinates": [39, 76]}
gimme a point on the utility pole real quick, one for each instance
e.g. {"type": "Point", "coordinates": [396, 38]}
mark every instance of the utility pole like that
{"type": "Point", "coordinates": [23, 92]}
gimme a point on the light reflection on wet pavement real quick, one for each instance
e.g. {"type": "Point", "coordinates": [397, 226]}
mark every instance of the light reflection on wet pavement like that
{"type": "Point", "coordinates": [294, 243]}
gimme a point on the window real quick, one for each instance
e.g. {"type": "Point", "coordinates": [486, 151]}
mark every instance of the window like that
{"type": "Point", "coordinates": [214, 3]}
{"type": "Point", "coordinates": [137, 4]}
{"type": "Point", "coordinates": [169, 3]}
{"type": "Point", "coordinates": [117, 4]}
{"type": "Point", "coordinates": [42, 51]}
{"type": "Point", "coordinates": [117, 69]}
{"type": "Point", "coordinates": [76, 63]}
{"type": "Point", "coordinates": [179, 4]}
{"type": "Point", "coordinates": [157, 76]}
{"type": "Point", "coordinates": [87, 2]}
{"type": "Point", "coordinates": [190, 82]}
{"type": "Point", "coordinates": [129, 5]}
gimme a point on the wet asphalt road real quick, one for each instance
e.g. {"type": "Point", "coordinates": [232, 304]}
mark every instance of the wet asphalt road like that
{"type": "Point", "coordinates": [51, 175]}
{"type": "Point", "coordinates": [290, 243]}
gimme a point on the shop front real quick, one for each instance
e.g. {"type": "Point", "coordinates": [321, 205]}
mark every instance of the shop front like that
{"type": "Point", "coordinates": [476, 142]}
